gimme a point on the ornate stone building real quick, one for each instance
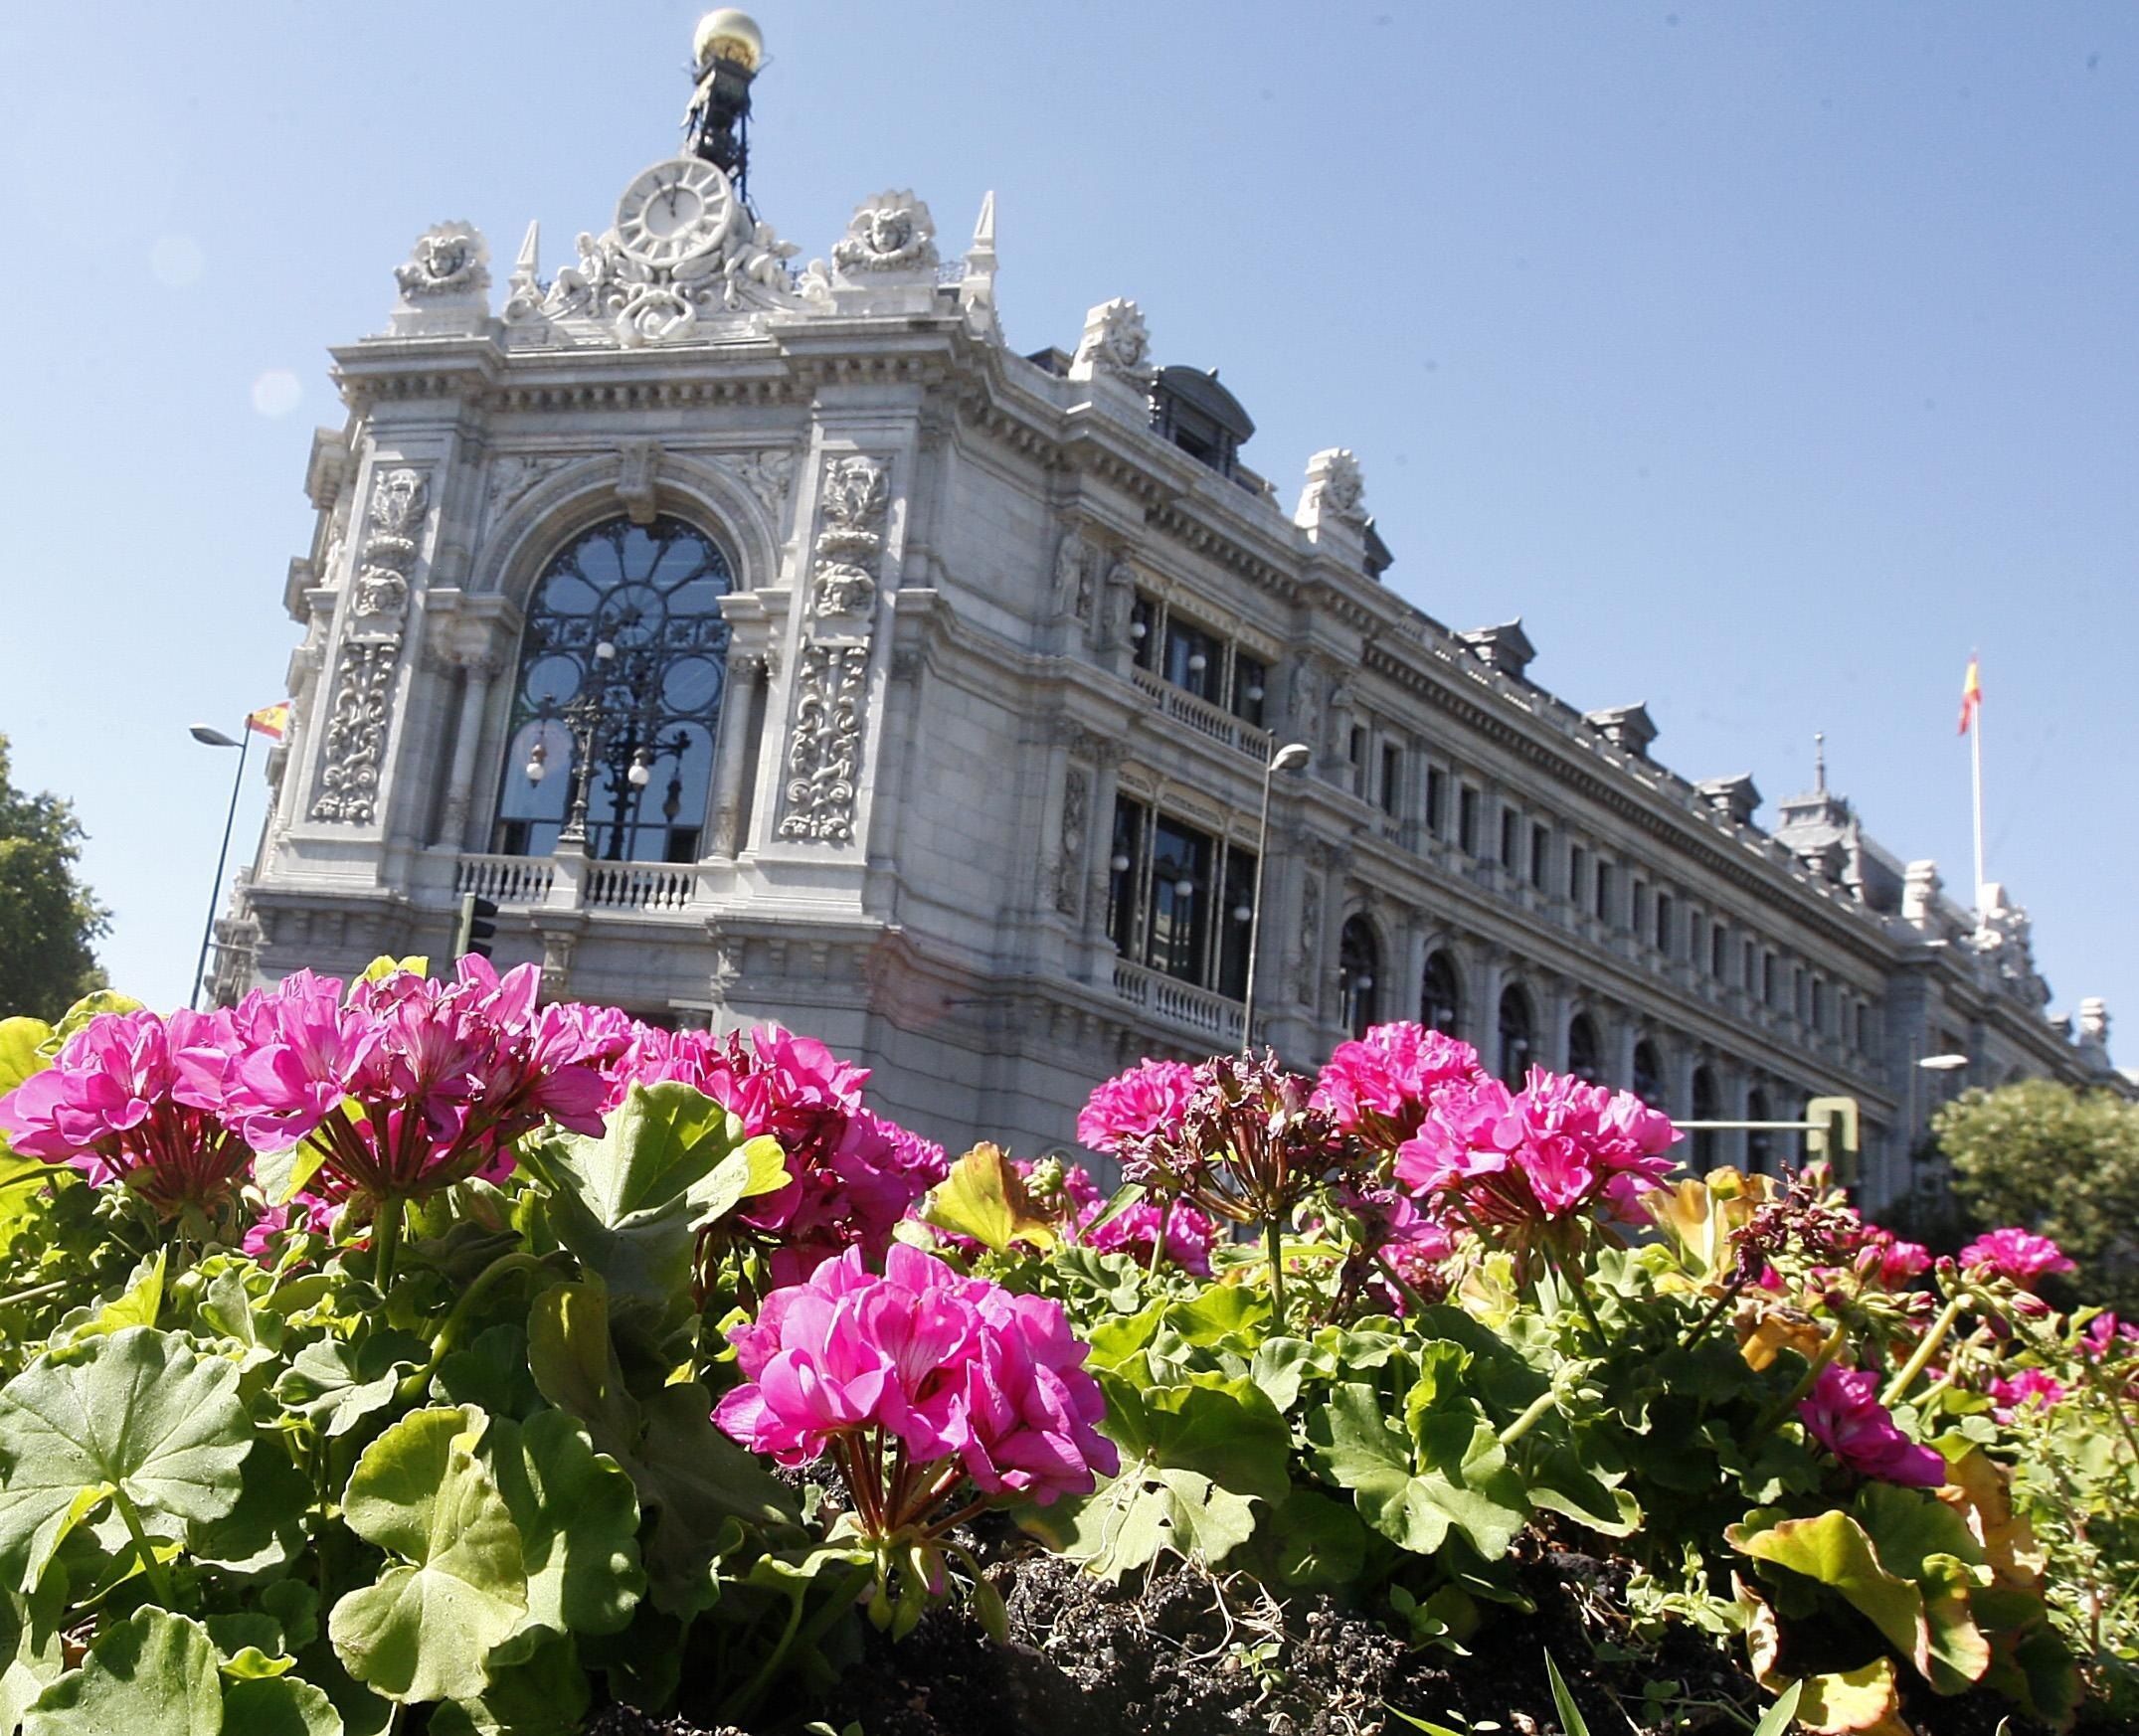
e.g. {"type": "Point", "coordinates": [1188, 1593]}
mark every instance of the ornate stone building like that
{"type": "Point", "coordinates": [779, 644]}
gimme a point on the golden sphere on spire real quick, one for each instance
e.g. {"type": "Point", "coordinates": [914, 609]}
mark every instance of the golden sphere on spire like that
{"type": "Point", "coordinates": [728, 33]}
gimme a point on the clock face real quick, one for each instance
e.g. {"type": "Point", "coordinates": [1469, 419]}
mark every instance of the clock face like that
{"type": "Point", "coordinates": [674, 210]}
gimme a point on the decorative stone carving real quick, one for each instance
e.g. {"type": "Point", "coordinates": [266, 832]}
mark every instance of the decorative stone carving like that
{"type": "Point", "coordinates": [1076, 817]}
{"type": "Point", "coordinates": [449, 259]}
{"type": "Point", "coordinates": [825, 754]}
{"type": "Point", "coordinates": [2005, 941]}
{"type": "Point", "coordinates": [1073, 576]}
{"type": "Point", "coordinates": [656, 295]}
{"type": "Point", "coordinates": [892, 232]}
{"type": "Point", "coordinates": [1310, 983]}
{"type": "Point", "coordinates": [1302, 708]}
{"type": "Point", "coordinates": [638, 462]}
{"type": "Point", "coordinates": [355, 742]}
{"type": "Point", "coordinates": [1120, 598]}
{"type": "Point", "coordinates": [1335, 490]}
{"type": "Point", "coordinates": [512, 474]}
{"type": "Point", "coordinates": [523, 290]}
{"type": "Point", "coordinates": [1115, 341]}
{"type": "Point", "coordinates": [358, 716]}
{"type": "Point", "coordinates": [769, 475]}
{"type": "Point", "coordinates": [850, 540]}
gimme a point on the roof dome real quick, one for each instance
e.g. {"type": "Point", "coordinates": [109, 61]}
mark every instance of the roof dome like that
{"type": "Point", "coordinates": [729, 34]}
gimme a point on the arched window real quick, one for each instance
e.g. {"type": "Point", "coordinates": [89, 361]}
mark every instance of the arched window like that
{"type": "Point", "coordinates": [1585, 1054]}
{"type": "Point", "coordinates": [1440, 997]}
{"type": "Point", "coordinates": [624, 660]}
{"type": "Point", "coordinates": [1359, 971]}
{"type": "Point", "coordinates": [1759, 1141]}
{"type": "Point", "coordinates": [1648, 1074]}
{"type": "Point", "coordinates": [1516, 1027]}
{"type": "Point", "coordinates": [1707, 1107]}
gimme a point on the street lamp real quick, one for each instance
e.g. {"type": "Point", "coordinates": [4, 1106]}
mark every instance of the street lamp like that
{"type": "Point", "coordinates": [1289, 758]}
{"type": "Point", "coordinates": [212, 737]}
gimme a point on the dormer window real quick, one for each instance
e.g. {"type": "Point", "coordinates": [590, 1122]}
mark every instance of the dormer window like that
{"type": "Point", "coordinates": [1193, 412]}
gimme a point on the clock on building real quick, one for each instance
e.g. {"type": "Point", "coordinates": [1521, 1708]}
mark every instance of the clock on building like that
{"type": "Point", "coordinates": [674, 210]}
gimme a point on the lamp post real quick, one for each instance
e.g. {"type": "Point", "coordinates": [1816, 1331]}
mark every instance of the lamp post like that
{"type": "Point", "coordinates": [1289, 758]}
{"type": "Point", "coordinates": [211, 737]}
{"type": "Point", "coordinates": [621, 738]}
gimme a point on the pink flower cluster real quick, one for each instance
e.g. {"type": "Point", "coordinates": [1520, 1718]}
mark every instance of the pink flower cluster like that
{"type": "Point", "coordinates": [1554, 1151]}
{"type": "Point", "coordinates": [2019, 1256]}
{"type": "Point", "coordinates": [439, 1077]}
{"type": "Point", "coordinates": [942, 1376]}
{"type": "Point", "coordinates": [138, 1098]}
{"type": "Point", "coordinates": [1844, 1414]}
{"type": "Point", "coordinates": [1887, 1260]}
{"type": "Point", "coordinates": [1132, 1231]}
{"type": "Point", "coordinates": [1145, 1102]}
{"type": "Point", "coordinates": [1381, 1087]}
{"type": "Point", "coordinates": [853, 1174]}
{"type": "Point", "coordinates": [2012, 1393]}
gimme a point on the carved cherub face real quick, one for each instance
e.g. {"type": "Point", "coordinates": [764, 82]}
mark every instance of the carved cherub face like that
{"type": "Point", "coordinates": [890, 229]}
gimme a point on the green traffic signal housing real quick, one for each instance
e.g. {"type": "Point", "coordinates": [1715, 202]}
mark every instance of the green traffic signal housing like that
{"type": "Point", "coordinates": [477, 927]}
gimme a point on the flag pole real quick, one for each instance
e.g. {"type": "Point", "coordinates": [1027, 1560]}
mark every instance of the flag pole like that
{"type": "Point", "coordinates": [1974, 757]}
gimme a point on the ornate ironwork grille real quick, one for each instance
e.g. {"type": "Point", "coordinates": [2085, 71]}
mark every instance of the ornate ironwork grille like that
{"type": "Point", "coordinates": [623, 670]}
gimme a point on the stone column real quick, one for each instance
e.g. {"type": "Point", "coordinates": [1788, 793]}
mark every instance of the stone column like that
{"type": "Point", "coordinates": [745, 670]}
{"type": "Point", "coordinates": [477, 672]}
{"type": "Point", "coordinates": [1106, 761]}
{"type": "Point", "coordinates": [1489, 975]}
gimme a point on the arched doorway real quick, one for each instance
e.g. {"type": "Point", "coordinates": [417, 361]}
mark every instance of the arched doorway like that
{"type": "Point", "coordinates": [1517, 1033]}
{"type": "Point", "coordinates": [1707, 1107]}
{"type": "Point", "coordinates": [1585, 1051]}
{"type": "Point", "coordinates": [1440, 997]}
{"type": "Point", "coordinates": [1759, 1141]}
{"type": "Point", "coordinates": [1649, 1074]}
{"type": "Point", "coordinates": [1358, 976]}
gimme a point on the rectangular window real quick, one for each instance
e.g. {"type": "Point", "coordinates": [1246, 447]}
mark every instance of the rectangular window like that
{"type": "Point", "coordinates": [1467, 820]}
{"type": "Point", "coordinates": [1249, 678]}
{"type": "Point", "coordinates": [1436, 799]}
{"type": "Point", "coordinates": [1235, 907]}
{"type": "Point", "coordinates": [1664, 914]}
{"type": "Point", "coordinates": [1748, 967]}
{"type": "Point", "coordinates": [1125, 876]}
{"type": "Point", "coordinates": [1144, 631]}
{"type": "Point", "coordinates": [1541, 854]}
{"type": "Point", "coordinates": [1192, 659]}
{"type": "Point", "coordinates": [1770, 978]}
{"type": "Point", "coordinates": [1719, 950]}
{"type": "Point", "coordinates": [1510, 834]}
{"type": "Point", "coordinates": [1604, 892]}
{"type": "Point", "coordinates": [1392, 777]}
{"type": "Point", "coordinates": [1180, 898]}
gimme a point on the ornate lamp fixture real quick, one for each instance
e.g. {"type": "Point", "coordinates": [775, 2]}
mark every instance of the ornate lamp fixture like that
{"type": "Point", "coordinates": [727, 49]}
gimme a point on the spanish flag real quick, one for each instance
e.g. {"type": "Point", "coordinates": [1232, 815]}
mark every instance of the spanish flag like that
{"type": "Point", "coordinates": [272, 720]}
{"type": "Point", "coordinates": [1971, 697]}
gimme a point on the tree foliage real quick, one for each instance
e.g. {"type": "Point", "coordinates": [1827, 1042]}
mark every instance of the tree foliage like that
{"type": "Point", "coordinates": [2064, 1162]}
{"type": "Point", "coordinates": [47, 920]}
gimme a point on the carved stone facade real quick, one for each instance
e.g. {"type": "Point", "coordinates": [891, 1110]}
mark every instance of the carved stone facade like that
{"type": "Point", "coordinates": [990, 646]}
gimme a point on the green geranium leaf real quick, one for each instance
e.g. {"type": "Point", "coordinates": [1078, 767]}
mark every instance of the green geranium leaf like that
{"type": "Point", "coordinates": [30, 1649]}
{"type": "Point", "coordinates": [90, 1006]}
{"type": "Point", "coordinates": [455, 1584]}
{"type": "Point", "coordinates": [578, 1516]}
{"type": "Point", "coordinates": [984, 1197]}
{"type": "Point", "coordinates": [546, 1695]}
{"type": "Point", "coordinates": [1315, 1541]}
{"type": "Point", "coordinates": [279, 1705]}
{"type": "Point", "coordinates": [264, 1530]}
{"type": "Point", "coordinates": [152, 1675]}
{"type": "Point", "coordinates": [692, 1479]}
{"type": "Point", "coordinates": [1833, 1549]}
{"type": "Point", "coordinates": [1413, 1485]}
{"type": "Point", "coordinates": [1195, 1457]}
{"type": "Point", "coordinates": [136, 1305]}
{"type": "Point", "coordinates": [574, 1366]}
{"type": "Point", "coordinates": [143, 1417]}
{"type": "Point", "coordinates": [336, 1385]}
{"type": "Point", "coordinates": [491, 1373]}
{"type": "Point", "coordinates": [622, 1202]}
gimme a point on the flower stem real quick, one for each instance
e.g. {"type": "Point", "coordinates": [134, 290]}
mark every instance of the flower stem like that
{"type": "Point", "coordinates": [34, 1292]}
{"type": "Point", "coordinates": [385, 1241]}
{"type": "Point", "coordinates": [504, 1267]}
{"type": "Point", "coordinates": [1830, 1348]}
{"type": "Point", "coordinates": [158, 1575]}
{"type": "Point", "coordinates": [1926, 1348]}
{"type": "Point", "coordinates": [1274, 1253]}
{"type": "Point", "coordinates": [1539, 1408]}
{"type": "Point", "coordinates": [1158, 1237]}
{"type": "Point", "coordinates": [1699, 1329]}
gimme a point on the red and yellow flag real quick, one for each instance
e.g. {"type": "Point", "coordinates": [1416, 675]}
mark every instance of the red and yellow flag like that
{"type": "Point", "coordinates": [272, 720]}
{"type": "Point", "coordinates": [1971, 697]}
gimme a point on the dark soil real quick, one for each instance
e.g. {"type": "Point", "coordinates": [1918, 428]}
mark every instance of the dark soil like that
{"type": "Point", "coordinates": [1190, 1654]}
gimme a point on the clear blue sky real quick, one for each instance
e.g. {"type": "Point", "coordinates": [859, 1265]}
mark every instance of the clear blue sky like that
{"type": "Point", "coordinates": [1764, 359]}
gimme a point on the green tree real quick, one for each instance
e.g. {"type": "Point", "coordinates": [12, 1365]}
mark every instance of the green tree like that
{"type": "Point", "coordinates": [2059, 1162]}
{"type": "Point", "coordinates": [47, 920]}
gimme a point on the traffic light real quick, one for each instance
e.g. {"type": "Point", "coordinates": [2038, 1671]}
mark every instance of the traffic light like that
{"type": "Point", "coordinates": [477, 926]}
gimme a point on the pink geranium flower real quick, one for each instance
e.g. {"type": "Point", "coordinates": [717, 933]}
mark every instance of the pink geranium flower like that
{"type": "Point", "coordinates": [2011, 1394]}
{"type": "Point", "coordinates": [138, 1098]}
{"type": "Point", "coordinates": [2019, 1256]}
{"type": "Point", "coordinates": [917, 1381]}
{"type": "Point", "coordinates": [1556, 1150]}
{"type": "Point", "coordinates": [1379, 1087]}
{"type": "Point", "coordinates": [1844, 1414]}
{"type": "Point", "coordinates": [1145, 1102]}
{"type": "Point", "coordinates": [1889, 1262]}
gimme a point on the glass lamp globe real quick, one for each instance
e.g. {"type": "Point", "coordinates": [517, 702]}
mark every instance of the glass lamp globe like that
{"type": "Point", "coordinates": [1185, 888]}
{"type": "Point", "coordinates": [640, 773]}
{"type": "Point", "coordinates": [605, 649]}
{"type": "Point", "coordinates": [1120, 864]}
{"type": "Point", "coordinates": [728, 33]}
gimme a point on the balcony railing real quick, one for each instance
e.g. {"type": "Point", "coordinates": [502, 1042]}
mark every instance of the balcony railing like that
{"type": "Point", "coordinates": [1204, 717]}
{"type": "Point", "coordinates": [636, 886]}
{"type": "Point", "coordinates": [506, 880]}
{"type": "Point", "coordinates": [1177, 1002]}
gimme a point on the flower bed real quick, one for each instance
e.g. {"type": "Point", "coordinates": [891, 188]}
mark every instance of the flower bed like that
{"type": "Point", "coordinates": [407, 1355]}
